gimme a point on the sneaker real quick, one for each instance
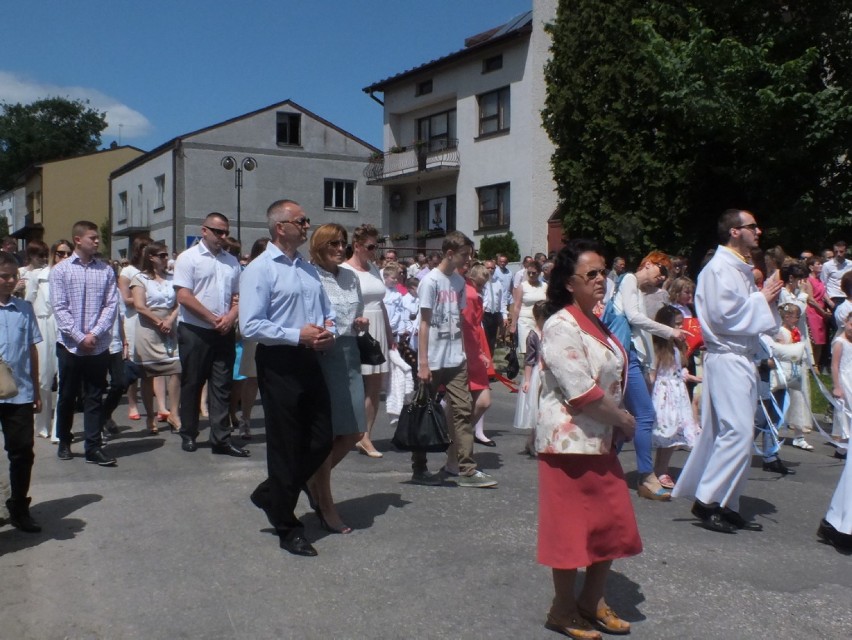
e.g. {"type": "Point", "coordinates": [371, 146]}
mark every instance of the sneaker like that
{"type": "Point", "coordinates": [428, 479]}
{"type": "Point", "coordinates": [477, 480]}
{"type": "Point", "coordinates": [42, 433]}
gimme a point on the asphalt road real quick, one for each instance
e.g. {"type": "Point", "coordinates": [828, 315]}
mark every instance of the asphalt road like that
{"type": "Point", "coordinates": [167, 545]}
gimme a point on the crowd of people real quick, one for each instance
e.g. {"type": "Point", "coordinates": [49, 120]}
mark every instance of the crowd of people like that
{"type": "Point", "coordinates": [609, 356]}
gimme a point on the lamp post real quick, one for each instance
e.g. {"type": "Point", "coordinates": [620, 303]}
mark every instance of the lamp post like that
{"type": "Point", "coordinates": [229, 163]}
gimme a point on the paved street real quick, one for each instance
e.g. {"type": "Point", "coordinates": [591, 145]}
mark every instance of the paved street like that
{"type": "Point", "coordinates": [168, 546]}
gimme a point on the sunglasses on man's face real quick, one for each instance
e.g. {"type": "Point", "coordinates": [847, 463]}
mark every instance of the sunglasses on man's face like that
{"type": "Point", "coordinates": [220, 233]}
{"type": "Point", "coordinates": [163, 255]}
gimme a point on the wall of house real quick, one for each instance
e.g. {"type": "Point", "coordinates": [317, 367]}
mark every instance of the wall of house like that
{"type": "Point", "coordinates": [520, 156]}
{"type": "Point", "coordinates": [144, 210]}
{"type": "Point", "coordinates": [78, 189]}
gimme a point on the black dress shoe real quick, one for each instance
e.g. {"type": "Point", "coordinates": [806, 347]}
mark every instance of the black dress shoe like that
{"type": "Point", "coordinates": [830, 535]}
{"type": "Point", "coordinates": [776, 466]}
{"type": "Point", "coordinates": [97, 456]}
{"type": "Point", "coordinates": [188, 443]}
{"type": "Point", "coordinates": [734, 518]}
{"type": "Point", "coordinates": [711, 517]}
{"type": "Point", "coordinates": [296, 543]}
{"type": "Point", "coordinates": [19, 515]}
{"type": "Point", "coordinates": [64, 452]}
{"type": "Point", "coordinates": [487, 443]}
{"type": "Point", "coordinates": [228, 449]}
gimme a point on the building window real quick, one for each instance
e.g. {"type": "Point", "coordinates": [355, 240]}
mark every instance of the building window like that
{"type": "Point", "coordinates": [340, 194]}
{"type": "Point", "coordinates": [287, 130]}
{"type": "Point", "coordinates": [439, 130]}
{"type": "Point", "coordinates": [423, 88]}
{"type": "Point", "coordinates": [122, 207]}
{"type": "Point", "coordinates": [494, 111]}
{"type": "Point", "coordinates": [139, 200]}
{"type": "Point", "coordinates": [160, 183]}
{"type": "Point", "coordinates": [492, 64]}
{"type": "Point", "coordinates": [494, 206]}
{"type": "Point", "coordinates": [436, 216]}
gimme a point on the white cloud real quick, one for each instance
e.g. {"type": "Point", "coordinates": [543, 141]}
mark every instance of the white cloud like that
{"type": "Point", "coordinates": [14, 89]}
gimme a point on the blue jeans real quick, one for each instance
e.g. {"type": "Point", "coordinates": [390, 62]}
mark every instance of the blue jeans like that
{"type": "Point", "coordinates": [637, 400]}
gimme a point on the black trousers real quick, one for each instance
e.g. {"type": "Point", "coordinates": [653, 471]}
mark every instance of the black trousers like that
{"type": "Point", "coordinates": [90, 372]}
{"type": "Point", "coordinates": [206, 356]}
{"type": "Point", "coordinates": [297, 407]}
{"type": "Point", "coordinates": [17, 422]}
{"type": "Point", "coordinates": [491, 323]}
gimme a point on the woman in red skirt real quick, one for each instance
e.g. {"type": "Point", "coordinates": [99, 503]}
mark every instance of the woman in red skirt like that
{"type": "Point", "coordinates": [586, 517]}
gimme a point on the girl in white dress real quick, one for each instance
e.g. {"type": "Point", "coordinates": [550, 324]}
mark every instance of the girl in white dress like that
{"type": "Point", "coordinates": [836, 527]}
{"type": "Point", "coordinates": [841, 376]}
{"type": "Point", "coordinates": [791, 352]}
{"type": "Point", "coordinates": [526, 407]}
{"type": "Point", "coordinates": [675, 424]}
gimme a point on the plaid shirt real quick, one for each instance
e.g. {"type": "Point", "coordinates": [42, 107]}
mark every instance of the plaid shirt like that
{"type": "Point", "coordinates": [84, 299]}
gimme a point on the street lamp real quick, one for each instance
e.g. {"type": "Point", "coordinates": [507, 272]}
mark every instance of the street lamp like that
{"type": "Point", "coordinates": [229, 163]}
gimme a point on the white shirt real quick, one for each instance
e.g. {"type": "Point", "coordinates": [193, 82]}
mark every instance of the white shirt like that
{"type": "Point", "coordinates": [494, 299]}
{"type": "Point", "coordinates": [831, 275]}
{"type": "Point", "coordinates": [213, 279]}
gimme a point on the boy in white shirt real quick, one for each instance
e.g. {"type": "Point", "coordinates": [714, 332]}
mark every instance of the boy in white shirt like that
{"type": "Point", "coordinates": [441, 358]}
{"type": "Point", "coordinates": [393, 299]}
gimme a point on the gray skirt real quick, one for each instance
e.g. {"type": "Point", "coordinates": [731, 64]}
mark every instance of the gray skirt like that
{"type": "Point", "coordinates": [341, 368]}
{"type": "Point", "coordinates": [156, 352]}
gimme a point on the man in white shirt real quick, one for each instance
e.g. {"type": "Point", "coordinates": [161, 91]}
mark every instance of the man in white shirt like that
{"type": "Point", "coordinates": [832, 272]}
{"type": "Point", "coordinates": [495, 302]}
{"type": "Point", "coordinates": [207, 279]}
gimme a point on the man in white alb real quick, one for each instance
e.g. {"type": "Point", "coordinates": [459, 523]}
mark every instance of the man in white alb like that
{"type": "Point", "coordinates": [732, 312]}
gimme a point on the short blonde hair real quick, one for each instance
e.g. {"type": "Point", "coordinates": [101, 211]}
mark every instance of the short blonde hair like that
{"type": "Point", "coordinates": [321, 236]}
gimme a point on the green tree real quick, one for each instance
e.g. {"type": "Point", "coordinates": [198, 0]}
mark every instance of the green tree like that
{"type": "Point", "coordinates": [665, 113]}
{"type": "Point", "coordinates": [505, 243]}
{"type": "Point", "coordinates": [44, 130]}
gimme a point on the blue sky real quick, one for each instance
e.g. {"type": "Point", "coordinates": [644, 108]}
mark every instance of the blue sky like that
{"type": "Point", "coordinates": [164, 68]}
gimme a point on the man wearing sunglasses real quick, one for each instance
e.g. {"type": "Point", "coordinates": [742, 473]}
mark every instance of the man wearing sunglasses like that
{"type": "Point", "coordinates": [733, 313]}
{"type": "Point", "coordinates": [207, 280]}
{"type": "Point", "coordinates": [286, 310]}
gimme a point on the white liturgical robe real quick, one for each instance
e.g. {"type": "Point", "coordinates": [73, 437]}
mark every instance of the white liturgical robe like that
{"type": "Point", "coordinates": [733, 313]}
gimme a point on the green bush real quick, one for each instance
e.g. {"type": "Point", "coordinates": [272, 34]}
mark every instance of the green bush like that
{"type": "Point", "coordinates": [505, 243]}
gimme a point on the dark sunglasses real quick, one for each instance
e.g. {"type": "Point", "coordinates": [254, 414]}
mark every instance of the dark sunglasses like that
{"type": "Point", "coordinates": [64, 254]}
{"type": "Point", "coordinates": [337, 244]}
{"type": "Point", "coordinates": [163, 255]}
{"type": "Point", "coordinates": [299, 222]}
{"type": "Point", "coordinates": [663, 270]}
{"type": "Point", "coordinates": [370, 247]}
{"type": "Point", "coordinates": [594, 273]}
{"type": "Point", "coordinates": [221, 233]}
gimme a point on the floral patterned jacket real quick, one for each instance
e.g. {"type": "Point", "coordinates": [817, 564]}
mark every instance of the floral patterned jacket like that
{"type": "Point", "coordinates": [582, 362]}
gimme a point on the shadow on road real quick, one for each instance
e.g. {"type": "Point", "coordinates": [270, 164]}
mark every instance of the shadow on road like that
{"type": "Point", "coordinates": [624, 596]}
{"type": "Point", "coordinates": [123, 448]}
{"type": "Point", "coordinates": [52, 515]}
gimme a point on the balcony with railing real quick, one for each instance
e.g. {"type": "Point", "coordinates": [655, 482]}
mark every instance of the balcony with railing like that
{"type": "Point", "coordinates": [413, 162]}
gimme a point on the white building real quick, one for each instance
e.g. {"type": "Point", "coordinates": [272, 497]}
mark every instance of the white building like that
{"type": "Point", "coordinates": [280, 151]}
{"type": "Point", "coordinates": [464, 144]}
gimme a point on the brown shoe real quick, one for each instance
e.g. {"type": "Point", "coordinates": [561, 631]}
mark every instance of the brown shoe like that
{"type": "Point", "coordinates": [607, 621]}
{"type": "Point", "coordinates": [573, 627]}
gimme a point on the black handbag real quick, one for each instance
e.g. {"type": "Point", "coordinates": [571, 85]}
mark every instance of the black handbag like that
{"type": "Point", "coordinates": [370, 350]}
{"type": "Point", "coordinates": [422, 425]}
{"type": "Point", "coordinates": [513, 367]}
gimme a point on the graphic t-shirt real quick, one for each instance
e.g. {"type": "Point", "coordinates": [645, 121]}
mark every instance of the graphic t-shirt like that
{"type": "Point", "coordinates": [444, 295]}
